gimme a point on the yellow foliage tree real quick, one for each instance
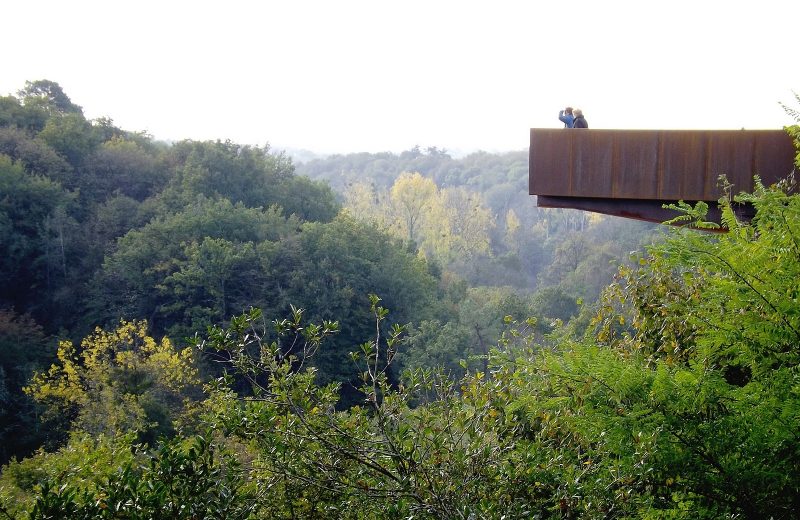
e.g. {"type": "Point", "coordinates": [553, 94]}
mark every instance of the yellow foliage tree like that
{"type": "Point", "coordinates": [118, 381]}
{"type": "Point", "coordinates": [415, 201]}
{"type": "Point", "coordinates": [450, 225]}
{"type": "Point", "coordinates": [513, 226]}
{"type": "Point", "coordinates": [364, 203]}
{"type": "Point", "coordinates": [467, 222]}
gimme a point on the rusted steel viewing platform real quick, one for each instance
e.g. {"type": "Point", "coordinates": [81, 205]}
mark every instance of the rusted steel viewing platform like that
{"type": "Point", "coordinates": [632, 173]}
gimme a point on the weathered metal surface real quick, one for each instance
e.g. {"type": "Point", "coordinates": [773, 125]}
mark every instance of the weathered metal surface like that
{"type": "Point", "coordinates": [654, 164]}
{"type": "Point", "coordinates": [649, 210]}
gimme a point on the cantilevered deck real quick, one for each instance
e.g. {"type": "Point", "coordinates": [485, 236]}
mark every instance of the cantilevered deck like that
{"type": "Point", "coordinates": [632, 173]}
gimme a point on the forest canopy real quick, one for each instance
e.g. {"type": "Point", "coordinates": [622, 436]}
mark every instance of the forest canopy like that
{"type": "Point", "coordinates": [207, 330]}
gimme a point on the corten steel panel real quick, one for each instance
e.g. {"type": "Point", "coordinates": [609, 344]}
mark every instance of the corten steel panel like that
{"type": "Point", "coordinates": [765, 153]}
{"type": "Point", "coordinates": [591, 156]}
{"type": "Point", "coordinates": [553, 162]}
{"type": "Point", "coordinates": [654, 165]}
{"type": "Point", "coordinates": [682, 162]}
{"type": "Point", "coordinates": [726, 149]}
{"type": "Point", "coordinates": [636, 153]}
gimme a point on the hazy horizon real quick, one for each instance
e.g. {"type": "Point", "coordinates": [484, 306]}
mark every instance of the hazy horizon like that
{"type": "Point", "coordinates": [360, 76]}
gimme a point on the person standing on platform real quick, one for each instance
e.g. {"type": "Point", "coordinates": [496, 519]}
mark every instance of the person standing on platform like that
{"type": "Point", "coordinates": [579, 121]}
{"type": "Point", "coordinates": [566, 117]}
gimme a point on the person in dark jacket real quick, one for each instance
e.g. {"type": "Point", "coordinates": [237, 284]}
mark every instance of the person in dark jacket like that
{"type": "Point", "coordinates": [566, 117]}
{"type": "Point", "coordinates": [580, 121]}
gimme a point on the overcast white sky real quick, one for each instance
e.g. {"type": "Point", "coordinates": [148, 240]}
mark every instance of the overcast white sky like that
{"type": "Point", "coordinates": [350, 76]}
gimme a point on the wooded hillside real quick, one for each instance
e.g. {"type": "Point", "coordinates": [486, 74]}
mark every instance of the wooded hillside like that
{"type": "Point", "coordinates": [206, 330]}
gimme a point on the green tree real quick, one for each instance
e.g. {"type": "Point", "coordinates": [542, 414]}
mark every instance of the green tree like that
{"type": "Point", "coordinates": [133, 282]}
{"type": "Point", "coordinates": [24, 348]}
{"type": "Point", "coordinates": [50, 95]}
{"type": "Point", "coordinates": [308, 200]}
{"type": "Point", "coordinates": [72, 136]}
{"type": "Point", "coordinates": [33, 224]}
{"type": "Point", "coordinates": [183, 480]}
{"type": "Point", "coordinates": [335, 267]}
{"type": "Point", "coordinates": [10, 112]}
{"type": "Point", "coordinates": [252, 176]}
{"type": "Point", "coordinates": [35, 156]}
{"type": "Point", "coordinates": [29, 118]}
{"type": "Point", "coordinates": [216, 279]}
{"type": "Point", "coordinates": [451, 457]}
{"type": "Point", "coordinates": [117, 478]}
{"type": "Point", "coordinates": [82, 463]}
{"type": "Point", "coordinates": [122, 166]}
{"type": "Point", "coordinates": [432, 343]}
{"type": "Point", "coordinates": [688, 404]}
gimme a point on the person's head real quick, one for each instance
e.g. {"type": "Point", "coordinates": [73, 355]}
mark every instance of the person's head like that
{"type": "Point", "coordinates": [568, 110]}
{"type": "Point", "coordinates": [577, 112]}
